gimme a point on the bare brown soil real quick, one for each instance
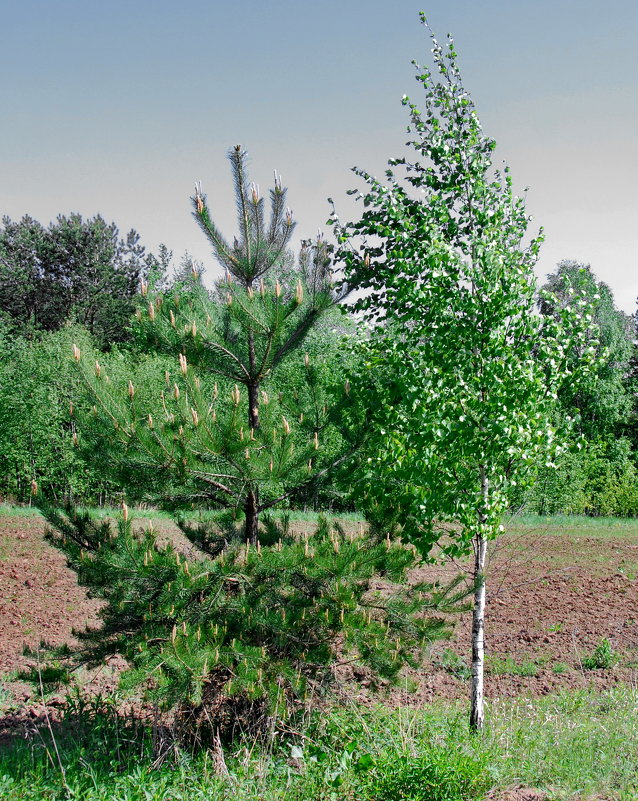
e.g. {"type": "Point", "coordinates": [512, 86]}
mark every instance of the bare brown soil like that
{"type": "Point", "coordinates": [552, 596]}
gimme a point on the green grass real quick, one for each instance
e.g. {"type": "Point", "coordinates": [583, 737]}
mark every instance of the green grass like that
{"type": "Point", "coordinates": [507, 666]}
{"type": "Point", "coordinates": [156, 514]}
{"type": "Point", "coordinates": [18, 511]}
{"type": "Point", "coordinates": [575, 525]}
{"type": "Point", "coordinates": [573, 746]}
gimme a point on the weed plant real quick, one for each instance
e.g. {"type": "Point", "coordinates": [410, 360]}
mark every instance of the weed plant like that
{"type": "Point", "coordinates": [603, 657]}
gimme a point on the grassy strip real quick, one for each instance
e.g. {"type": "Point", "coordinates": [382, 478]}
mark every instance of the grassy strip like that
{"type": "Point", "coordinates": [575, 524]}
{"type": "Point", "coordinates": [574, 746]}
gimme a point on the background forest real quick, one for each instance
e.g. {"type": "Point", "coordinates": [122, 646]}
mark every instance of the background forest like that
{"type": "Point", "coordinates": [78, 281]}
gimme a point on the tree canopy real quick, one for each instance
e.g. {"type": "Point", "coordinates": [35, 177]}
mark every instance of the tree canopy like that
{"type": "Point", "coordinates": [76, 269]}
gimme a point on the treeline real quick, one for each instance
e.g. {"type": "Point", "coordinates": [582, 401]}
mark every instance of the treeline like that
{"type": "Point", "coordinates": [78, 281]}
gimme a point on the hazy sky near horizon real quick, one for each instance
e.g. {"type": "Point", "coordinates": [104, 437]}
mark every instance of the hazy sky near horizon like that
{"type": "Point", "coordinates": [119, 107]}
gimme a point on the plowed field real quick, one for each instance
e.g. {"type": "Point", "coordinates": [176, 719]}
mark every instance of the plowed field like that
{"type": "Point", "coordinates": [555, 590]}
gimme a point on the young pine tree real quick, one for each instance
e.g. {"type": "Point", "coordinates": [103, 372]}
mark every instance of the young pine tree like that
{"type": "Point", "coordinates": [226, 431]}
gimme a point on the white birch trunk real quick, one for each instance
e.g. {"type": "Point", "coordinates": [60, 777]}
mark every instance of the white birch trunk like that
{"type": "Point", "coordinates": [477, 713]}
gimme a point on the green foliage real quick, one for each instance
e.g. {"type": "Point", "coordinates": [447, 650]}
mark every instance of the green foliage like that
{"type": "Point", "coordinates": [462, 376]}
{"type": "Point", "coordinates": [242, 416]}
{"type": "Point", "coordinates": [599, 480]}
{"type": "Point", "coordinates": [36, 430]}
{"type": "Point", "coordinates": [506, 665]}
{"type": "Point", "coordinates": [436, 775]}
{"type": "Point", "coordinates": [577, 744]}
{"type": "Point", "coordinates": [451, 662]}
{"type": "Point", "coordinates": [603, 400]}
{"type": "Point", "coordinates": [75, 270]}
{"type": "Point", "coordinates": [603, 657]}
{"type": "Point", "coordinates": [233, 635]}
{"type": "Point", "coordinates": [599, 476]}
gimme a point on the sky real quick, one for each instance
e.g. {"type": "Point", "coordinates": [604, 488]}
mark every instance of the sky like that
{"type": "Point", "coordinates": [118, 108]}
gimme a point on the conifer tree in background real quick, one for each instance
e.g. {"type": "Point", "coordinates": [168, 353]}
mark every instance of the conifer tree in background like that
{"type": "Point", "coordinates": [227, 435]}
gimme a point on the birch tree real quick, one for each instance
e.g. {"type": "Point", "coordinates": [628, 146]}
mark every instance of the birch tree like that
{"type": "Point", "coordinates": [459, 372]}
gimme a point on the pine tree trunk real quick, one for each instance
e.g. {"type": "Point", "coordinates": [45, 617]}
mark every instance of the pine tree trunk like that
{"type": "Point", "coordinates": [252, 500]}
{"type": "Point", "coordinates": [253, 406]}
{"type": "Point", "coordinates": [477, 713]}
{"type": "Point", "coordinates": [252, 517]}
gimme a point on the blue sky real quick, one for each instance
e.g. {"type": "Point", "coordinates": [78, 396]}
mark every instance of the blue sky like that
{"type": "Point", "coordinates": [119, 107]}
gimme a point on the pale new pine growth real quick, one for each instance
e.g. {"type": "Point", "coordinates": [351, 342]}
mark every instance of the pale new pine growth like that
{"type": "Point", "coordinates": [172, 316]}
{"type": "Point", "coordinates": [150, 421]}
{"type": "Point", "coordinates": [277, 289]}
{"type": "Point", "coordinates": [34, 487]}
{"type": "Point", "coordinates": [264, 398]}
{"type": "Point", "coordinates": [71, 409]}
{"type": "Point", "coordinates": [195, 417]}
{"type": "Point", "coordinates": [229, 299]}
{"type": "Point", "coordinates": [76, 353]}
{"type": "Point", "coordinates": [151, 311]}
{"type": "Point", "coordinates": [215, 391]}
{"type": "Point", "coordinates": [98, 369]}
{"type": "Point", "coordinates": [131, 390]}
{"type": "Point", "coordinates": [262, 287]}
{"type": "Point", "coordinates": [251, 293]}
{"type": "Point", "coordinates": [199, 200]}
{"type": "Point", "coordinates": [75, 439]}
{"type": "Point", "coordinates": [183, 366]}
{"type": "Point", "coordinates": [193, 329]}
{"type": "Point", "coordinates": [299, 293]}
{"type": "Point", "coordinates": [124, 512]}
{"type": "Point", "coordinates": [235, 395]}
{"type": "Point", "coordinates": [175, 391]}
{"type": "Point", "coordinates": [167, 378]}
{"type": "Point", "coordinates": [144, 289]}
{"type": "Point", "coordinates": [286, 426]}
{"type": "Point", "coordinates": [306, 360]}
{"type": "Point", "coordinates": [316, 441]}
